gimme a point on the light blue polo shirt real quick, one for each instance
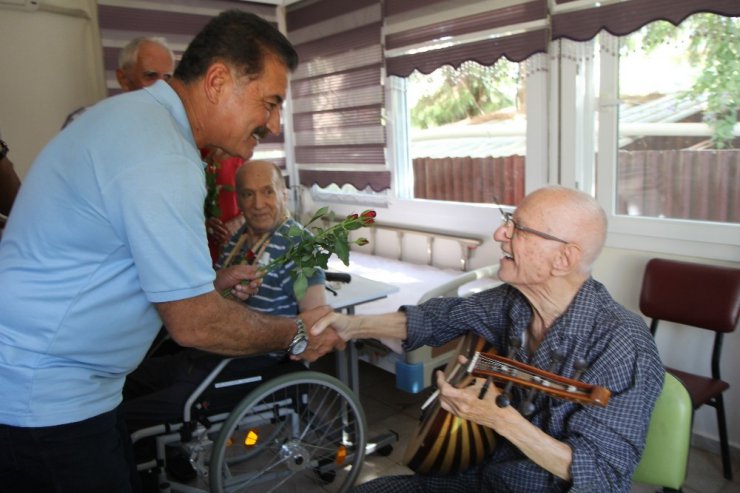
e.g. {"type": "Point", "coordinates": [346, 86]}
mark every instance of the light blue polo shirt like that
{"type": "Point", "coordinates": [109, 220]}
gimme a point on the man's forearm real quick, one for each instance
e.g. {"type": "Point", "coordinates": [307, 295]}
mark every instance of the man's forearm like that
{"type": "Point", "coordinates": [212, 323]}
{"type": "Point", "coordinates": [390, 325]}
{"type": "Point", "coordinates": [547, 452]}
{"type": "Point", "coordinates": [387, 325]}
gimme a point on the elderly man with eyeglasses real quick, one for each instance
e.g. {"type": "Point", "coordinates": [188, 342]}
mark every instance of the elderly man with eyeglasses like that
{"type": "Point", "coordinates": [560, 319]}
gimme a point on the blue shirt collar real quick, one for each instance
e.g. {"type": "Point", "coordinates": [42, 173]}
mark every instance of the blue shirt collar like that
{"type": "Point", "coordinates": [167, 97]}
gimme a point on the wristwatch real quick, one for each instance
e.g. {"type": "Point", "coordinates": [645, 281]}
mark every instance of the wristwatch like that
{"type": "Point", "coordinates": [300, 339]}
{"type": "Point", "coordinates": [3, 149]}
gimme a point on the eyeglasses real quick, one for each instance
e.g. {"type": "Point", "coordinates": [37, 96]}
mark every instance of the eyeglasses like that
{"type": "Point", "coordinates": [510, 225]}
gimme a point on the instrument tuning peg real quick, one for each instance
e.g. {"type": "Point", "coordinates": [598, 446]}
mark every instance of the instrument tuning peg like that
{"type": "Point", "coordinates": [515, 343]}
{"type": "Point", "coordinates": [526, 408]}
{"type": "Point", "coordinates": [558, 356]}
{"type": "Point", "coordinates": [502, 400]}
{"type": "Point", "coordinates": [484, 388]}
{"type": "Point", "coordinates": [580, 365]}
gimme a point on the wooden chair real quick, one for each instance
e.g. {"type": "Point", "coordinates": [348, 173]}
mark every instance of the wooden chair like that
{"type": "Point", "coordinates": [702, 296]}
{"type": "Point", "coordinates": [665, 458]}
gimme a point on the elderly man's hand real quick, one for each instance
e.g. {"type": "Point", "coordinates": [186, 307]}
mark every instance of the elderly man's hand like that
{"type": "Point", "coordinates": [232, 277]}
{"type": "Point", "coordinates": [466, 402]}
{"type": "Point", "coordinates": [333, 320]}
{"type": "Point", "coordinates": [319, 345]}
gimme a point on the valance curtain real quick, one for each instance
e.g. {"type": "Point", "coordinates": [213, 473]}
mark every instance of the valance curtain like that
{"type": "Point", "coordinates": [484, 31]}
{"type": "Point", "coordinates": [337, 93]}
{"type": "Point", "coordinates": [481, 31]}
{"type": "Point", "coordinates": [581, 20]}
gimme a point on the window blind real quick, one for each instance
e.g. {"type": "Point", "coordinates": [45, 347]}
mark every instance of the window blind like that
{"type": "Point", "coordinates": [337, 93]}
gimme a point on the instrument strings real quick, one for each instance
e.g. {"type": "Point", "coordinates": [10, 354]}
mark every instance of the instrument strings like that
{"type": "Point", "coordinates": [487, 363]}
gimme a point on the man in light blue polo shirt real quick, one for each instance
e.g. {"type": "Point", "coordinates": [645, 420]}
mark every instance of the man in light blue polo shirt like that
{"type": "Point", "coordinates": [106, 242]}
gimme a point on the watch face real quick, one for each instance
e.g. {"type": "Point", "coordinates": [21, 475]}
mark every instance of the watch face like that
{"type": "Point", "coordinates": [299, 347]}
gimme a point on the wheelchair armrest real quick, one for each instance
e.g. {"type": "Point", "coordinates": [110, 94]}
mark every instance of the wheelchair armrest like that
{"type": "Point", "coordinates": [338, 277]}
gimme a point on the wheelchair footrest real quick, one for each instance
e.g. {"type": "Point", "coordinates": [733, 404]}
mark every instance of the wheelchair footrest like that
{"type": "Point", "coordinates": [382, 444]}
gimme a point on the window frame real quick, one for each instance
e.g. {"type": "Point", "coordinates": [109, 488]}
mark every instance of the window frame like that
{"type": "Point", "coordinates": [717, 241]}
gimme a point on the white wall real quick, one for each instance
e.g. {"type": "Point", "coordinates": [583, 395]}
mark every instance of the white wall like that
{"type": "Point", "coordinates": [679, 346]}
{"type": "Point", "coordinates": [51, 65]}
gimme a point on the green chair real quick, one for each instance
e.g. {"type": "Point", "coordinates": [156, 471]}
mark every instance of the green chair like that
{"type": "Point", "coordinates": [666, 453]}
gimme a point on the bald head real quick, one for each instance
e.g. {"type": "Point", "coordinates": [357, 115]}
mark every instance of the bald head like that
{"type": "Point", "coordinates": [259, 167]}
{"type": "Point", "coordinates": [261, 195]}
{"type": "Point", "coordinates": [572, 215]}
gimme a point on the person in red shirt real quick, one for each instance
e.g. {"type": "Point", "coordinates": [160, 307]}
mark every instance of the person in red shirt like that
{"type": "Point", "coordinates": [223, 217]}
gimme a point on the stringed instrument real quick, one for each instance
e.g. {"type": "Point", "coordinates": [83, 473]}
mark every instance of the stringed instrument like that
{"type": "Point", "coordinates": [446, 444]}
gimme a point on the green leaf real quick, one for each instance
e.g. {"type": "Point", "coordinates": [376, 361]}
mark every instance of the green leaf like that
{"type": "Point", "coordinates": [319, 213]}
{"type": "Point", "coordinates": [309, 252]}
{"type": "Point", "coordinates": [300, 286]}
{"type": "Point", "coordinates": [341, 248]}
{"type": "Point", "coordinates": [322, 260]}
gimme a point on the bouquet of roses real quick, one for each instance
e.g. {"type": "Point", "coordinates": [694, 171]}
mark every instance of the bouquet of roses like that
{"type": "Point", "coordinates": [312, 251]}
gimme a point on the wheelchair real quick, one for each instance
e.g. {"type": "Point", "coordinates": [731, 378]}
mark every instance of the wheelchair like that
{"type": "Point", "coordinates": [302, 430]}
{"type": "Point", "coordinates": [291, 429]}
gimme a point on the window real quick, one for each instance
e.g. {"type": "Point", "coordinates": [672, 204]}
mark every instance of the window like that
{"type": "Point", "coordinates": [458, 135]}
{"type": "Point", "coordinates": [467, 133]}
{"type": "Point", "coordinates": [664, 182]}
{"type": "Point", "coordinates": [677, 156]}
{"type": "Point", "coordinates": [430, 38]}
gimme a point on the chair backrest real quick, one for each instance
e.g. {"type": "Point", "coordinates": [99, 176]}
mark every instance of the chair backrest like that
{"type": "Point", "coordinates": [705, 296]}
{"type": "Point", "coordinates": [664, 460]}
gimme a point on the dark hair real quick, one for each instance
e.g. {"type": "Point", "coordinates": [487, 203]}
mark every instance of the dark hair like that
{"type": "Point", "coordinates": [238, 38]}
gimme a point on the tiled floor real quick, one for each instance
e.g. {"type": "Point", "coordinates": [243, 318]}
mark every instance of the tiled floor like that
{"type": "Point", "coordinates": [388, 408]}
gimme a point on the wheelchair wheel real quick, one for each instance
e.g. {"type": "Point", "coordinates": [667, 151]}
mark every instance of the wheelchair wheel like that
{"type": "Point", "coordinates": [298, 432]}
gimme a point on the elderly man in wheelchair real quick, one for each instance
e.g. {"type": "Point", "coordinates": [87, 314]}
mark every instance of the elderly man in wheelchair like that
{"type": "Point", "coordinates": [201, 422]}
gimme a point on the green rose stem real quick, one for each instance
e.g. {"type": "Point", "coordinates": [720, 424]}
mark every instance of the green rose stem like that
{"type": "Point", "coordinates": [312, 251]}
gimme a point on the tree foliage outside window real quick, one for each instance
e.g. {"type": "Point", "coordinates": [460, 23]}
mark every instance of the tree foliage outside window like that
{"type": "Point", "coordinates": [714, 47]}
{"type": "Point", "coordinates": [456, 94]}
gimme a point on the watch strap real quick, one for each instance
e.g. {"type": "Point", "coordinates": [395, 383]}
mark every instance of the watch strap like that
{"type": "Point", "coordinates": [300, 335]}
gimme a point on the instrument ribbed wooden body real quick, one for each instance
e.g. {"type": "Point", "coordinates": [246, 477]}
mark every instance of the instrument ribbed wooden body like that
{"type": "Point", "coordinates": [445, 443]}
